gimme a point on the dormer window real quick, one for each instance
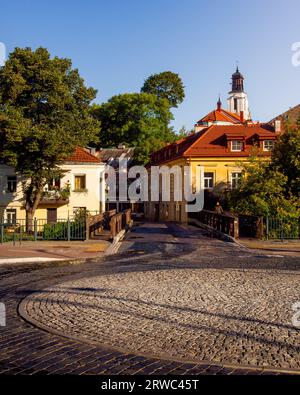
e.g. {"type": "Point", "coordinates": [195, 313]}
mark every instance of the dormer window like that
{"type": "Point", "coordinates": [237, 145]}
{"type": "Point", "coordinates": [268, 145]}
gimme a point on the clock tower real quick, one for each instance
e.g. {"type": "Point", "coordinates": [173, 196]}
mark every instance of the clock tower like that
{"type": "Point", "coordinates": [238, 99]}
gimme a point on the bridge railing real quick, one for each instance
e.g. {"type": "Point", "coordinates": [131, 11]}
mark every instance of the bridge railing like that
{"type": "Point", "coordinates": [109, 221]}
{"type": "Point", "coordinates": [222, 223]}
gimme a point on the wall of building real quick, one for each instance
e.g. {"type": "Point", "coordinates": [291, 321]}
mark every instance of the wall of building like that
{"type": "Point", "coordinates": [93, 198]}
{"type": "Point", "coordinates": [222, 168]}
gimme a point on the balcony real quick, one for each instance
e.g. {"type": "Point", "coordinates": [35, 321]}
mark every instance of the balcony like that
{"type": "Point", "coordinates": [55, 197]}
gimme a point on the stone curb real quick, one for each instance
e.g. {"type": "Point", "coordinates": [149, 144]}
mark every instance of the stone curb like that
{"type": "Point", "coordinates": [116, 244]}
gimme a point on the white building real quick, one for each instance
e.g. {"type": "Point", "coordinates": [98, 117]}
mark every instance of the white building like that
{"type": "Point", "coordinates": [80, 187]}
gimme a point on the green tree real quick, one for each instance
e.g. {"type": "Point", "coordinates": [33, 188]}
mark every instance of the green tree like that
{"type": "Point", "coordinates": [166, 85]}
{"type": "Point", "coordinates": [286, 159]}
{"type": "Point", "coordinates": [261, 191]}
{"type": "Point", "coordinates": [183, 132]}
{"type": "Point", "coordinates": [44, 115]}
{"type": "Point", "coordinates": [139, 120]}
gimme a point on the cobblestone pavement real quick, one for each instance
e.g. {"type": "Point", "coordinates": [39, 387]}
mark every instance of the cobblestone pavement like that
{"type": "Point", "coordinates": [170, 302]}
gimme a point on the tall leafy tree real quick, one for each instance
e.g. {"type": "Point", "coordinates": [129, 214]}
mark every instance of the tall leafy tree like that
{"type": "Point", "coordinates": [286, 158]}
{"type": "Point", "coordinates": [166, 85]}
{"type": "Point", "coordinates": [44, 115]}
{"type": "Point", "coordinates": [140, 120]}
{"type": "Point", "coordinates": [262, 191]}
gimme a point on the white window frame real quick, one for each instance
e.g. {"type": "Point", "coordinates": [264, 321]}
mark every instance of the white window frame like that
{"type": "Point", "coordinates": [264, 145]}
{"type": "Point", "coordinates": [237, 150]}
{"type": "Point", "coordinates": [10, 213]}
{"type": "Point", "coordinates": [236, 178]}
{"type": "Point", "coordinates": [208, 179]}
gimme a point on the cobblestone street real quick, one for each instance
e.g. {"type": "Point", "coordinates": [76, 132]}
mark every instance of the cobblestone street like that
{"type": "Point", "coordinates": [171, 301]}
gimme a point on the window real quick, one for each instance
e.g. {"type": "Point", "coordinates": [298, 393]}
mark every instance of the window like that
{"type": "Point", "coordinates": [11, 215]}
{"type": "Point", "coordinates": [268, 145]}
{"type": "Point", "coordinates": [208, 180]}
{"type": "Point", "coordinates": [80, 184]}
{"type": "Point", "coordinates": [54, 183]}
{"type": "Point", "coordinates": [11, 184]}
{"type": "Point", "coordinates": [236, 145]}
{"type": "Point", "coordinates": [235, 179]}
{"type": "Point", "coordinates": [235, 104]}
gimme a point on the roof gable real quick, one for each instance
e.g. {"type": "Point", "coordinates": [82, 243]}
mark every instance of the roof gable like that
{"type": "Point", "coordinates": [220, 115]}
{"type": "Point", "coordinates": [82, 156]}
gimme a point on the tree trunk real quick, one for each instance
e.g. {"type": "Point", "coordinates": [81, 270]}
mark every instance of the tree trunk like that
{"type": "Point", "coordinates": [31, 207]}
{"type": "Point", "coordinates": [29, 220]}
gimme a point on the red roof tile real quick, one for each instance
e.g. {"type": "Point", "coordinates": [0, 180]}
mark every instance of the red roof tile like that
{"type": "Point", "coordinates": [213, 142]}
{"type": "Point", "coordinates": [81, 156]}
{"type": "Point", "coordinates": [220, 115]}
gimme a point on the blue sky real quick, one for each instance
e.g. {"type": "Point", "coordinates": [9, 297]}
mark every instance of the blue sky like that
{"type": "Point", "coordinates": [116, 44]}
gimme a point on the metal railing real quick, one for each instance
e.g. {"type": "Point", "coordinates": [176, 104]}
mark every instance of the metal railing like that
{"type": "Point", "coordinates": [282, 229]}
{"type": "Point", "coordinates": [41, 229]}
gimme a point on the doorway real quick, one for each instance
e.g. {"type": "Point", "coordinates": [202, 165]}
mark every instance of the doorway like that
{"type": "Point", "coordinates": [51, 215]}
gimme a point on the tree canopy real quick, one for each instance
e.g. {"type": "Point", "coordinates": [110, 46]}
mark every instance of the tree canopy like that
{"type": "Point", "coordinates": [271, 188]}
{"type": "Point", "coordinates": [137, 119]}
{"type": "Point", "coordinates": [166, 85]}
{"type": "Point", "coordinates": [286, 159]}
{"type": "Point", "coordinates": [44, 115]}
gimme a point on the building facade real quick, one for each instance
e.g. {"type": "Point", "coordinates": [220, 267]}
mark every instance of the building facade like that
{"type": "Point", "coordinates": [221, 141]}
{"type": "Point", "coordinates": [79, 188]}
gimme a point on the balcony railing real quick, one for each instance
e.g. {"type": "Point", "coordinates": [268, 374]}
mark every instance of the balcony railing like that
{"type": "Point", "coordinates": [55, 197]}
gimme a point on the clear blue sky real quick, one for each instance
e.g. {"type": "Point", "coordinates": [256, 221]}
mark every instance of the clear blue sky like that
{"type": "Point", "coordinates": [116, 44]}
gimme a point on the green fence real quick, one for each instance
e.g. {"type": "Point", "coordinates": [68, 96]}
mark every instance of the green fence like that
{"type": "Point", "coordinates": [282, 229]}
{"type": "Point", "coordinates": [39, 229]}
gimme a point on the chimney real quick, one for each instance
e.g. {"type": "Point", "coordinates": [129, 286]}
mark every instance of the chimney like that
{"type": "Point", "coordinates": [277, 126]}
{"type": "Point", "coordinates": [242, 116]}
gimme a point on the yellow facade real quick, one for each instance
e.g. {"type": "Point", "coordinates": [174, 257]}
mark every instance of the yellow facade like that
{"type": "Point", "coordinates": [91, 198]}
{"type": "Point", "coordinates": [222, 169]}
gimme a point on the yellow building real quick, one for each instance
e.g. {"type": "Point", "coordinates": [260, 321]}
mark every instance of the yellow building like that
{"type": "Point", "coordinates": [221, 140]}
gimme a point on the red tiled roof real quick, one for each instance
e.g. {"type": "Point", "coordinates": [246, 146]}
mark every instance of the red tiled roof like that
{"type": "Point", "coordinates": [81, 156]}
{"type": "Point", "coordinates": [220, 115]}
{"type": "Point", "coordinates": [213, 142]}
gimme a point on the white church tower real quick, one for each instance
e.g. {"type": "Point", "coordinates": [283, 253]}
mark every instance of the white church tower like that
{"type": "Point", "coordinates": [238, 99]}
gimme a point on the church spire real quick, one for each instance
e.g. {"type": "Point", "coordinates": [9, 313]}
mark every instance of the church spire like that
{"type": "Point", "coordinates": [219, 104]}
{"type": "Point", "coordinates": [237, 84]}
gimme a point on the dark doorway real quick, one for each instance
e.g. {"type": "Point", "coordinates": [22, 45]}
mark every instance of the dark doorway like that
{"type": "Point", "coordinates": [51, 215]}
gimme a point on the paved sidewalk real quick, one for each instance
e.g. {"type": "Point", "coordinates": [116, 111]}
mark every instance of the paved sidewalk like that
{"type": "Point", "coordinates": [273, 247]}
{"type": "Point", "coordinates": [26, 349]}
{"type": "Point", "coordinates": [56, 250]}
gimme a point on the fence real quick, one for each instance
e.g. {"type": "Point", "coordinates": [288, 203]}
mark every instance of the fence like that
{"type": "Point", "coordinates": [276, 228]}
{"type": "Point", "coordinates": [221, 223]}
{"type": "Point", "coordinates": [39, 229]}
{"type": "Point", "coordinates": [110, 223]}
